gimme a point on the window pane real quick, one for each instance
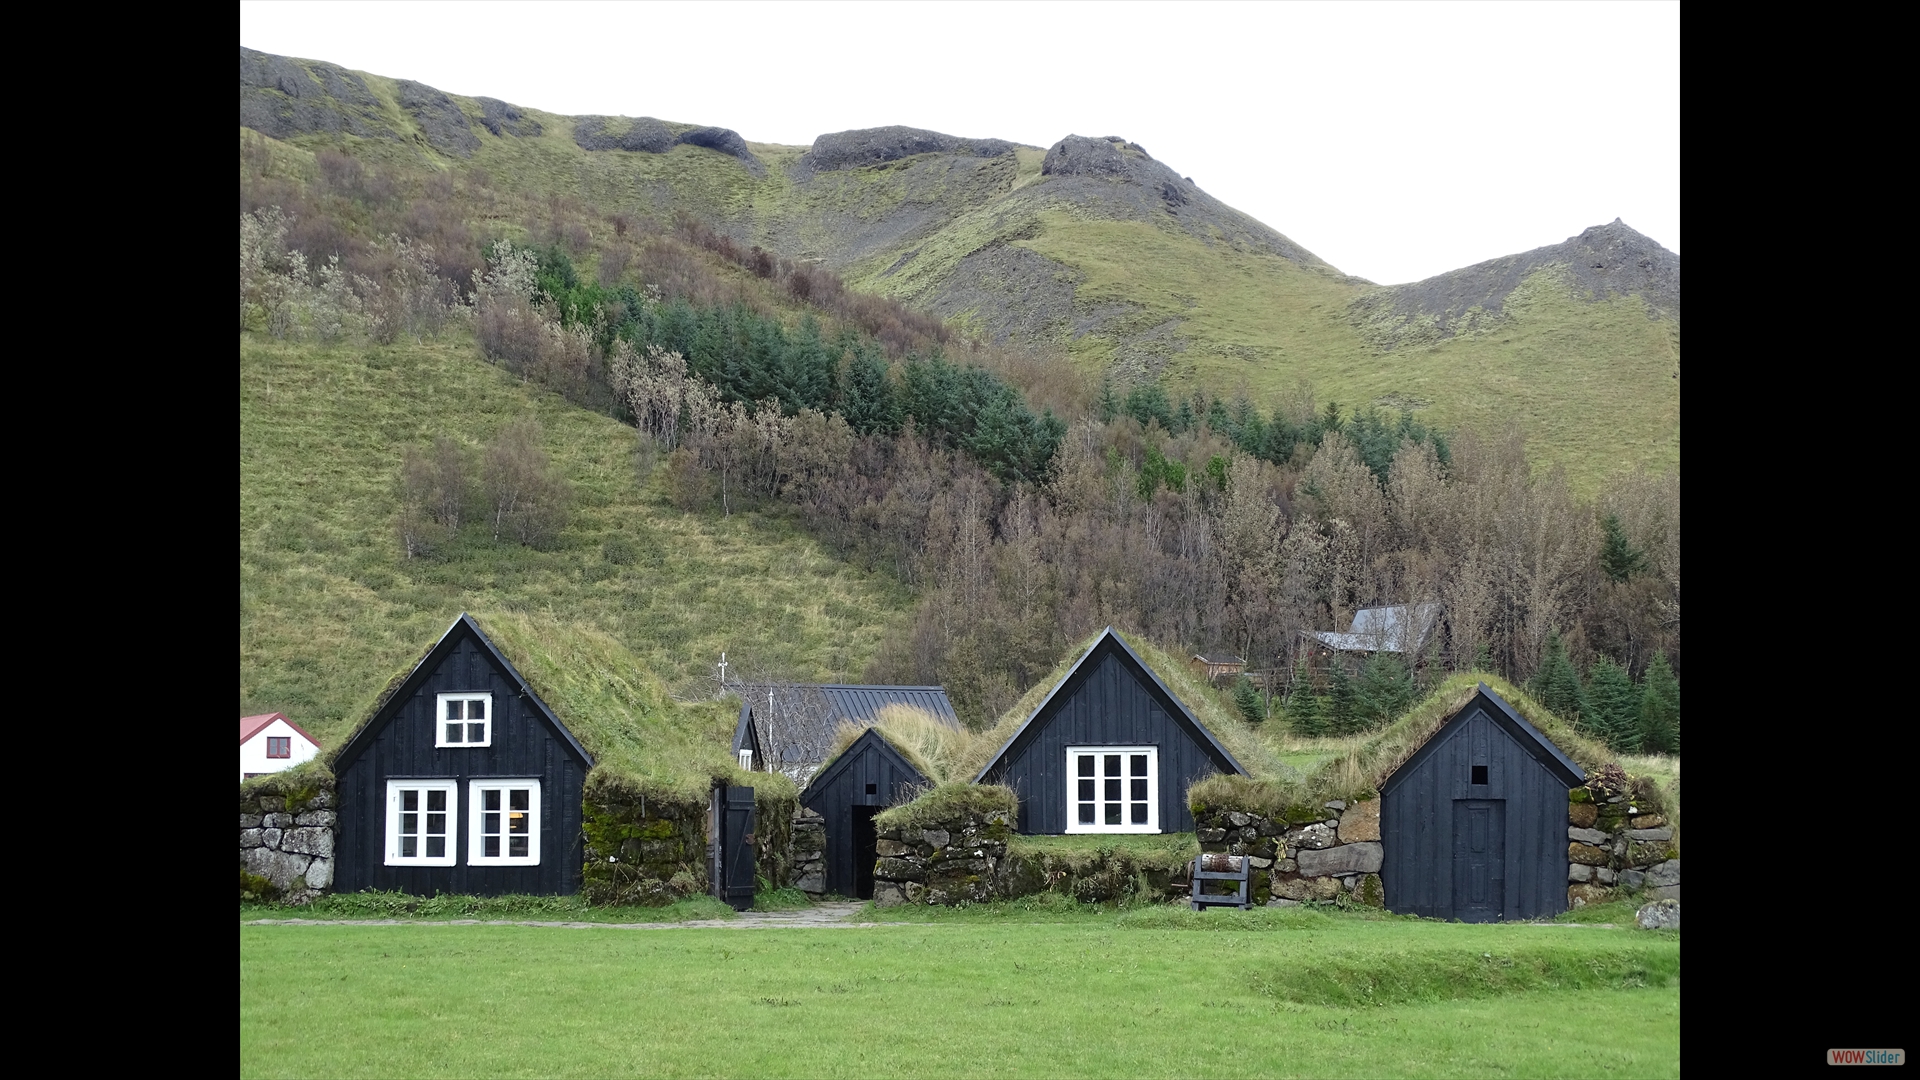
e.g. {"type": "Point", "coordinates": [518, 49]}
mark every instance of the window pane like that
{"type": "Point", "coordinates": [1113, 813]}
{"type": "Point", "coordinates": [453, 732]}
{"type": "Point", "coordinates": [490, 824]}
{"type": "Point", "coordinates": [409, 800]}
{"type": "Point", "coordinates": [517, 847]}
{"type": "Point", "coordinates": [492, 800]}
{"type": "Point", "coordinates": [1139, 764]}
{"type": "Point", "coordinates": [1140, 787]}
{"type": "Point", "coordinates": [436, 824]}
{"type": "Point", "coordinates": [476, 733]}
{"type": "Point", "coordinates": [1139, 813]}
{"type": "Point", "coordinates": [453, 710]}
{"type": "Point", "coordinates": [1113, 764]}
{"type": "Point", "coordinates": [517, 799]}
{"type": "Point", "coordinates": [1113, 788]}
{"type": "Point", "coordinates": [477, 710]}
{"type": "Point", "coordinates": [1086, 813]}
{"type": "Point", "coordinates": [409, 847]}
{"type": "Point", "coordinates": [436, 847]}
{"type": "Point", "coordinates": [409, 824]}
{"type": "Point", "coordinates": [1086, 789]}
{"type": "Point", "coordinates": [1086, 764]}
{"type": "Point", "coordinates": [437, 800]}
{"type": "Point", "coordinates": [493, 847]}
{"type": "Point", "coordinates": [517, 821]}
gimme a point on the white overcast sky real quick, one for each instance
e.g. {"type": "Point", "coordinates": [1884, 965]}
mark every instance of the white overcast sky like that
{"type": "Point", "coordinates": [1393, 140]}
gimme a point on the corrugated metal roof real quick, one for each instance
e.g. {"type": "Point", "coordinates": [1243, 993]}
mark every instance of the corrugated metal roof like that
{"type": "Point", "coordinates": [805, 729]}
{"type": "Point", "coordinates": [1218, 658]}
{"type": "Point", "coordinates": [1385, 629]}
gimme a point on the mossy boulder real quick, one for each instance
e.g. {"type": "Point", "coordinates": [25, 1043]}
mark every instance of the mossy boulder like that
{"type": "Point", "coordinates": [1582, 815]}
{"type": "Point", "coordinates": [1369, 891]}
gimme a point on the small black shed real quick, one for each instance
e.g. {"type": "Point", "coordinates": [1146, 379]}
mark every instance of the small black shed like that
{"type": "Point", "coordinates": [1474, 824]}
{"type": "Point", "coordinates": [463, 781]}
{"type": "Point", "coordinates": [1109, 750]}
{"type": "Point", "coordinates": [869, 777]}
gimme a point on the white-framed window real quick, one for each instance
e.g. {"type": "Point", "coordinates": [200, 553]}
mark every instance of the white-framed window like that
{"type": "Point", "coordinates": [504, 829]}
{"type": "Point", "coordinates": [421, 822]}
{"type": "Point", "coordinates": [746, 760]}
{"type": "Point", "coordinates": [463, 720]}
{"type": "Point", "coordinates": [1113, 789]}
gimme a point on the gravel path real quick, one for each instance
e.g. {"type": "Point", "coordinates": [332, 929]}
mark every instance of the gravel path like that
{"type": "Point", "coordinates": [819, 915]}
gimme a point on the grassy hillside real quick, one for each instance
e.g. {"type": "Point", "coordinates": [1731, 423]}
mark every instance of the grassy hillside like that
{"type": "Point", "coordinates": [1130, 270]}
{"type": "Point", "coordinates": [330, 608]}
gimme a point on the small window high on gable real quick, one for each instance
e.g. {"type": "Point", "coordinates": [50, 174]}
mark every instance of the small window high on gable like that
{"type": "Point", "coordinates": [463, 720]}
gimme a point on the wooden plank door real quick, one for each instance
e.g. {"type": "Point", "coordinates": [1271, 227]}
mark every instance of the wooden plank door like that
{"type": "Point", "coordinates": [1479, 859]}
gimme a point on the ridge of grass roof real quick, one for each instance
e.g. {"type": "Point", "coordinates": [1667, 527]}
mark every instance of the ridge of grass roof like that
{"type": "Point", "coordinates": [641, 739]}
{"type": "Point", "coordinates": [1363, 768]}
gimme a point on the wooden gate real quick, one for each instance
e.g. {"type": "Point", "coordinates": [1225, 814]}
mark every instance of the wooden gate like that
{"type": "Point", "coordinates": [731, 865]}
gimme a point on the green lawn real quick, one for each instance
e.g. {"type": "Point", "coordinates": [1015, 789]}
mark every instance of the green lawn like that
{"type": "Point", "coordinates": [1149, 992]}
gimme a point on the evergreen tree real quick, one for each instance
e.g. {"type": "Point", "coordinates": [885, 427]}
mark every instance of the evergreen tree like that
{"type": "Point", "coordinates": [868, 402]}
{"type": "Point", "coordinates": [1383, 691]}
{"type": "Point", "coordinates": [1616, 705]}
{"type": "Point", "coordinates": [1247, 700]}
{"type": "Point", "coordinates": [1660, 709]}
{"type": "Point", "coordinates": [1619, 559]}
{"type": "Point", "coordinates": [1339, 707]}
{"type": "Point", "coordinates": [1108, 407]}
{"type": "Point", "coordinates": [1306, 710]}
{"type": "Point", "coordinates": [1557, 686]}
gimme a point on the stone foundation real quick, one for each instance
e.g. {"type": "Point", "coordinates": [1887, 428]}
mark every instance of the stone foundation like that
{"type": "Point", "coordinates": [807, 853]}
{"type": "Point", "coordinates": [286, 845]}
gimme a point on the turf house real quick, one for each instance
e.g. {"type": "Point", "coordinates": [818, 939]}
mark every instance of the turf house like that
{"type": "Point", "coordinates": [866, 777]}
{"type": "Point", "coordinates": [1110, 749]}
{"type": "Point", "coordinates": [1474, 825]}
{"type": "Point", "coordinates": [463, 781]}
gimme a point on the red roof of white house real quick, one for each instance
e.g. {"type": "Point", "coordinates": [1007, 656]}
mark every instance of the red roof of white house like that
{"type": "Point", "coordinates": [251, 725]}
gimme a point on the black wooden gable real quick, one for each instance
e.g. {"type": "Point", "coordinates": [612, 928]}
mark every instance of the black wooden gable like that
{"type": "Point", "coordinates": [1112, 645]}
{"type": "Point", "coordinates": [1110, 697]}
{"type": "Point", "coordinates": [463, 631]}
{"type": "Point", "coordinates": [397, 750]}
{"type": "Point", "coordinates": [1495, 708]}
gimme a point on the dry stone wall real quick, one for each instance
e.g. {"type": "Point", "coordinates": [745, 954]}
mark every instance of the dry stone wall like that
{"type": "Point", "coordinates": [1613, 845]}
{"type": "Point", "coordinates": [286, 845]}
{"type": "Point", "coordinates": [954, 862]}
{"type": "Point", "coordinates": [1304, 853]}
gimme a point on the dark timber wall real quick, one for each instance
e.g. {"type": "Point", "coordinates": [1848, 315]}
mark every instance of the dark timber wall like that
{"type": "Point", "coordinates": [1431, 812]}
{"type": "Point", "coordinates": [399, 745]}
{"type": "Point", "coordinates": [870, 774]}
{"type": "Point", "coordinates": [1108, 699]}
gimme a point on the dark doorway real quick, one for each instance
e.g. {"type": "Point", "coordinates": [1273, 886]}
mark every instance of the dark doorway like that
{"type": "Point", "coordinates": [733, 846]}
{"type": "Point", "coordinates": [1479, 859]}
{"type": "Point", "coordinates": [866, 850]}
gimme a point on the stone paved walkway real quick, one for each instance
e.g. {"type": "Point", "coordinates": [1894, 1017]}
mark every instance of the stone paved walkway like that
{"type": "Point", "coordinates": [826, 915]}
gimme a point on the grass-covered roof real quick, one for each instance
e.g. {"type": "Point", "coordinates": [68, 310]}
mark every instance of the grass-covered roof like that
{"type": "Point", "coordinates": [639, 736]}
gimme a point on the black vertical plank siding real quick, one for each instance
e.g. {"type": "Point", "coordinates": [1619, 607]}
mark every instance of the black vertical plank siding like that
{"type": "Point", "coordinates": [1417, 810]}
{"type": "Point", "coordinates": [523, 746]}
{"type": "Point", "coordinates": [1104, 703]}
{"type": "Point", "coordinates": [842, 785]}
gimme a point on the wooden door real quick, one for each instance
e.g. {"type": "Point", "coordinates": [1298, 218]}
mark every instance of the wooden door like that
{"type": "Point", "coordinates": [1479, 859]}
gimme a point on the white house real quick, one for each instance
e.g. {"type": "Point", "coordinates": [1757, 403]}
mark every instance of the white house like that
{"type": "Point", "coordinates": [271, 742]}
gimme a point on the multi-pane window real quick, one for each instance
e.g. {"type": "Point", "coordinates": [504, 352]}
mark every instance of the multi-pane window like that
{"type": "Point", "coordinates": [280, 746]}
{"type": "Point", "coordinates": [505, 830]}
{"type": "Point", "coordinates": [421, 816]}
{"type": "Point", "coordinates": [1113, 789]}
{"type": "Point", "coordinates": [464, 720]}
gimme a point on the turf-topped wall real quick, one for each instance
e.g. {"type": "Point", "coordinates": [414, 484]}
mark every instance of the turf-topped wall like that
{"type": "Point", "coordinates": [651, 847]}
{"type": "Point", "coordinates": [956, 845]}
{"type": "Point", "coordinates": [286, 835]}
{"type": "Point", "coordinates": [1614, 844]}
